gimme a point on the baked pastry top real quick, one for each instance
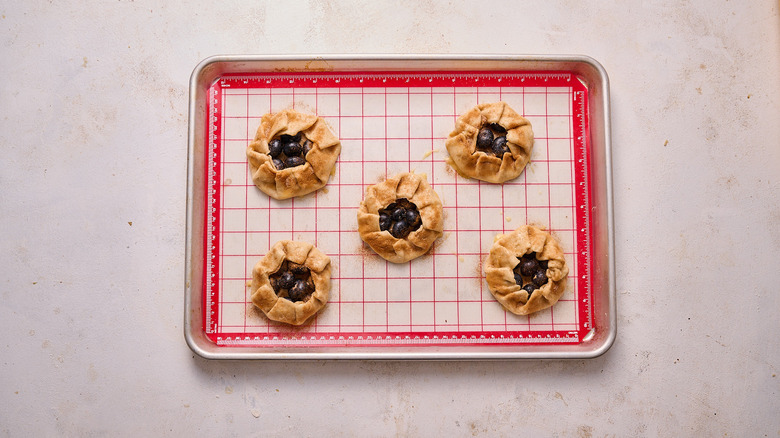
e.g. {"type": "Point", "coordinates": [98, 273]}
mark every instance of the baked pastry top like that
{"type": "Point", "coordinates": [293, 154]}
{"type": "Point", "coordinates": [491, 142]}
{"type": "Point", "coordinates": [526, 271]}
{"type": "Point", "coordinates": [401, 217]}
{"type": "Point", "coordinates": [292, 282]}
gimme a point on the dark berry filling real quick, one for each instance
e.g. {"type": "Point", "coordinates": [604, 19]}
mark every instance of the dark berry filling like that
{"type": "Point", "coordinates": [400, 218]}
{"type": "Point", "coordinates": [289, 150]}
{"type": "Point", "coordinates": [292, 281]}
{"type": "Point", "coordinates": [294, 161]}
{"type": "Point", "coordinates": [491, 139]}
{"type": "Point", "coordinates": [528, 267]}
{"type": "Point", "coordinates": [531, 273]}
{"type": "Point", "coordinates": [498, 129]}
{"type": "Point", "coordinates": [539, 279]}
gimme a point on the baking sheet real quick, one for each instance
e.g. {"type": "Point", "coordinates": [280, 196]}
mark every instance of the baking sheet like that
{"type": "Point", "coordinates": [390, 122]}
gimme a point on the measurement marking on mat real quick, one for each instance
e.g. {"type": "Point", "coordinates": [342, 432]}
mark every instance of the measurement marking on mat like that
{"type": "Point", "coordinates": [210, 202]}
{"type": "Point", "coordinates": [396, 339]}
{"type": "Point", "coordinates": [404, 78]}
{"type": "Point", "coordinates": [584, 253]}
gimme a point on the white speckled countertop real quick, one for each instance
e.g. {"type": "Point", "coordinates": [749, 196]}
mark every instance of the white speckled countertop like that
{"type": "Point", "coordinates": [93, 126]}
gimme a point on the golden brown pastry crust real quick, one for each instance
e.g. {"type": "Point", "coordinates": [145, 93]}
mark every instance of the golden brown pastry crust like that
{"type": "Point", "coordinates": [414, 188]}
{"type": "Point", "coordinates": [505, 255]}
{"type": "Point", "coordinates": [282, 309]}
{"type": "Point", "coordinates": [471, 163]}
{"type": "Point", "coordinates": [299, 180]}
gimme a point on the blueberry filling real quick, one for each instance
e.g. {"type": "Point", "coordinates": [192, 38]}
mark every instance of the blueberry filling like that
{"type": "Point", "coordinates": [491, 139]}
{"type": "Point", "coordinates": [528, 267]}
{"type": "Point", "coordinates": [539, 278]}
{"type": "Point", "coordinates": [499, 147]}
{"type": "Point", "coordinates": [275, 147]}
{"type": "Point", "coordinates": [292, 148]}
{"type": "Point", "coordinates": [498, 128]}
{"type": "Point", "coordinates": [294, 161]}
{"type": "Point", "coordinates": [484, 138]}
{"type": "Point", "coordinates": [289, 150]}
{"type": "Point", "coordinates": [292, 281]}
{"type": "Point", "coordinates": [400, 218]}
{"type": "Point", "coordinates": [530, 273]}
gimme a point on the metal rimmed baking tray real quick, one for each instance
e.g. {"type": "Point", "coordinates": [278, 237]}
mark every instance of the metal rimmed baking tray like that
{"type": "Point", "coordinates": [393, 113]}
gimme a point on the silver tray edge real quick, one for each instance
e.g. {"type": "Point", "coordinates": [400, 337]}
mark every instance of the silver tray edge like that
{"type": "Point", "coordinates": [207, 71]}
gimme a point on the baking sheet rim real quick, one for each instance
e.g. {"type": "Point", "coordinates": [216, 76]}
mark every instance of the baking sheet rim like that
{"type": "Point", "coordinates": [205, 348]}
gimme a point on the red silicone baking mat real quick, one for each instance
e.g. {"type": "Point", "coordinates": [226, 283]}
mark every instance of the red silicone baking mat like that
{"type": "Point", "coordinates": [392, 122]}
